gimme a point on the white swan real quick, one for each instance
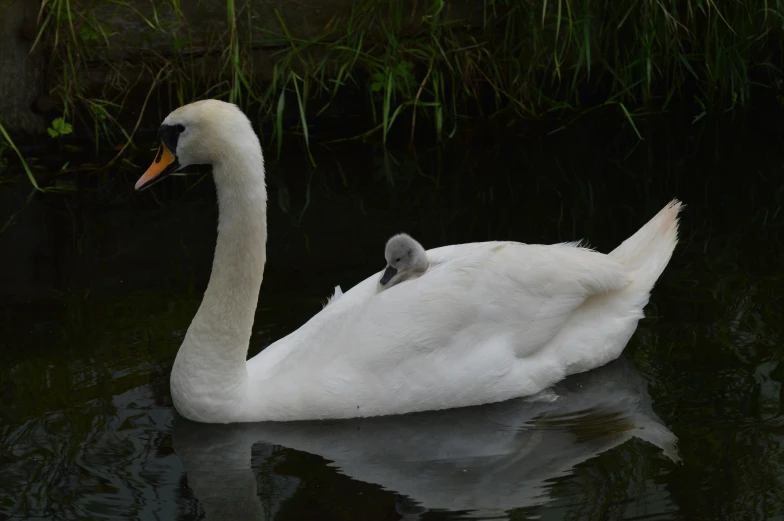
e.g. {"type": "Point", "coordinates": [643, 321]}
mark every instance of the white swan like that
{"type": "Point", "coordinates": [490, 321]}
{"type": "Point", "coordinates": [406, 260]}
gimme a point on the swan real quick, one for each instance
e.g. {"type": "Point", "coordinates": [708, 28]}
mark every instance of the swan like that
{"type": "Point", "coordinates": [406, 259]}
{"type": "Point", "coordinates": [491, 321]}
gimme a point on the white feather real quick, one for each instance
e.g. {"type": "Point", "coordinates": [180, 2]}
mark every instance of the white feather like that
{"type": "Point", "coordinates": [330, 300]}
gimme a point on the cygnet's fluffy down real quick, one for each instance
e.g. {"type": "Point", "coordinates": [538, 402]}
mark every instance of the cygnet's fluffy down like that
{"type": "Point", "coordinates": [406, 259]}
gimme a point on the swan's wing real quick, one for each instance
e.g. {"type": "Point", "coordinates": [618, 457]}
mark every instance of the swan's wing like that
{"type": "Point", "coordinates": [473, 329]}
{"type": "Point", "coordinates": [509, 293]}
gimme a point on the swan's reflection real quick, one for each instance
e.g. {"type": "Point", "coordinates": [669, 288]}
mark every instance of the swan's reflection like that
{"type": "Point", "coordinates": [485, 459]}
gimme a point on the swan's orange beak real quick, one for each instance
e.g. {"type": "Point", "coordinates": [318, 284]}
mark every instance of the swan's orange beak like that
{"type": "Point", "coordinates": [164, 164]}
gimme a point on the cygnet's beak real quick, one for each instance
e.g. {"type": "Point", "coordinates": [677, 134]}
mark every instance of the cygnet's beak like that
{"type": "Point", "coordinates": [388, 274]}
{"type": "Point", "coordinates": [164, 164]}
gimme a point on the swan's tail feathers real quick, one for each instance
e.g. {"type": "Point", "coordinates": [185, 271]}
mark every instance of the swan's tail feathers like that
{"type": "Point", "coordinates": [647, 252]}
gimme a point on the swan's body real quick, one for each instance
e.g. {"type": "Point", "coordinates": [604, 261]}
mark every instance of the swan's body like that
{"type": "Point", "coordinates": [481, 461]}
{"type": "Point", "coordinates": [490, 321]}
{"type": "Point", "coordinates": [406, 260]}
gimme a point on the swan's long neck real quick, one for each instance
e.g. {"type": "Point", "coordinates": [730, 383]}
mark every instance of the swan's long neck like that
{"type": "Point", "coordinates": [210, 368]}
{"type": "Point", "coordinates": [240, 255]}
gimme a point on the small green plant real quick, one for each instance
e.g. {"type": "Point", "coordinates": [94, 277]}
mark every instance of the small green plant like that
{"type": "Point", "coordinates": [59, 127]}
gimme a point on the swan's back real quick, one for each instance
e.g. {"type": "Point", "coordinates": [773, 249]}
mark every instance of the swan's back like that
{"type": "Point", "coordinates": [490, 321]}
{"type": "Point", "coordinates": [471, 331]}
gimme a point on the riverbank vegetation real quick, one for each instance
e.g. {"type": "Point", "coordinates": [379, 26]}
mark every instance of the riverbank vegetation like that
{"type": "Point", "coordinates": [374, 70]}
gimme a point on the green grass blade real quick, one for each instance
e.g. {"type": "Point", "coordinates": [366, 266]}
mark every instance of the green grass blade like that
{"type": "Point", "coordinates": [26, 167]}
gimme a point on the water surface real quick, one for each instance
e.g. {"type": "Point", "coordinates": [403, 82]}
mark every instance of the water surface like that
{"type": "Point", "coordinates": [99, 287]}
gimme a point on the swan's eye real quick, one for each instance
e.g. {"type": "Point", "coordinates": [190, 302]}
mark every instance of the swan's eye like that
{"type": "Point", "coordinates": [180, 128]}
{"type": "Point", "coordinates": [397, 260]}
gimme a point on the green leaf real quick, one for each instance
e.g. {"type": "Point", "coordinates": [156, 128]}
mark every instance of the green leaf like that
{"type": "Point", "coordinates": [62, 127]}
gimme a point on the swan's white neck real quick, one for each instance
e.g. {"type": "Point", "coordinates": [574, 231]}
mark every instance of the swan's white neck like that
{"type": "Point", "coordinates": [210, 370]}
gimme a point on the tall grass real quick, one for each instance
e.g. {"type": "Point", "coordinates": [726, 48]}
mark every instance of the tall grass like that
{"type": "Point", "coordinates": [396, 61]}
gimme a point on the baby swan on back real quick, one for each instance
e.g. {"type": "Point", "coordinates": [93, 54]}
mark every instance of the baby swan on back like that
{"type": "Point", "coordinates": [406, 259]}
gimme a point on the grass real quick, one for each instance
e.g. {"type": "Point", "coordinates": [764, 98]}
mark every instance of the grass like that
{"type": "Point", "coordinates": [56, 187]}
{"type": "Point", "coordinates": [410, 65]}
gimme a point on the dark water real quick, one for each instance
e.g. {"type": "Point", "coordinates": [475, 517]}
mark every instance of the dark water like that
{"type": "Point", "coordinates": [99, 287]}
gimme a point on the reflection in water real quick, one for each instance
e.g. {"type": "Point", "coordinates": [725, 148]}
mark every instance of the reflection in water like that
{"type": "Point", "coordinates": [486, 459]}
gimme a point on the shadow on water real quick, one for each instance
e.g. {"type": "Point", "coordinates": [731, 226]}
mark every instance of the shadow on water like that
{"type": "Point", "coordinates": [98, 287]}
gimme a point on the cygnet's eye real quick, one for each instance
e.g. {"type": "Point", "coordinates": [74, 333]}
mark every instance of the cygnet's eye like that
{"type": "Point", "coordinates": [397, 260]}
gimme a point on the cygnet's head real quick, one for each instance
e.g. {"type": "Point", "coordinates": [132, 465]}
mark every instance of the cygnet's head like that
{"type": "Point", "coordinates": [406, 259]}
{"type": "Point", "coordinates": [204, 132]}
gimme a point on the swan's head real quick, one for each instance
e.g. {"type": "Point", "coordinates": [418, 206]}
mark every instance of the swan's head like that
{"type": "Point", "coordinates": [205, 132]}
{"type": "Point", "coordinates": [406, 258]}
